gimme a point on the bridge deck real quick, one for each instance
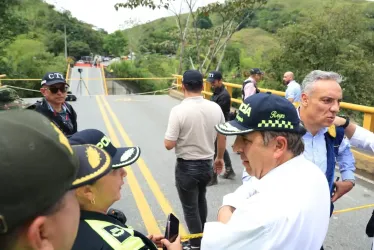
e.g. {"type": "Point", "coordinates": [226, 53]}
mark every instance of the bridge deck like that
{"type": "Point", "coordinates": [149, 192]}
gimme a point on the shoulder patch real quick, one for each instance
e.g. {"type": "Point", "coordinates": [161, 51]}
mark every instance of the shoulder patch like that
{"type": "Point", "coordinates": [332, 131]}
{"type": "Point", "coordinates": [117, 232]}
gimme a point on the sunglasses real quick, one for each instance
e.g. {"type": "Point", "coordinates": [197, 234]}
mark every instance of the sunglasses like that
{"type": "Point", "coordinates": [54, 90]}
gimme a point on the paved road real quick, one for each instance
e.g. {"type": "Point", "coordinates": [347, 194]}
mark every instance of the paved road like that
{"type": "Point", "coordinates": [91, 83]}
{"type": "Point", "coordinates": [149, 192]}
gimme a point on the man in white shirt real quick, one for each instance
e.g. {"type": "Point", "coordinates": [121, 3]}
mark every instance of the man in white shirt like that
{"type": "Point", "coordinates": [287, 204]}
{"type": "Point", "coordinates": [293, 91]}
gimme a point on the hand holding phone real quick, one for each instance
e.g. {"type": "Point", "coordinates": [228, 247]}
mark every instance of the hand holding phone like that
{"type": "Point", "coordinates": [172, 228]}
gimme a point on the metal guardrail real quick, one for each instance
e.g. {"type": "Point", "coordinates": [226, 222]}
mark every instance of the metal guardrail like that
{"type": "Point", "coordinates": [368, 122]}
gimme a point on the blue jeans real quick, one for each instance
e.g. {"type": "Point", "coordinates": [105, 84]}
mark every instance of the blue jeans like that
{"type": "Point", "coordinates": [191, 179]}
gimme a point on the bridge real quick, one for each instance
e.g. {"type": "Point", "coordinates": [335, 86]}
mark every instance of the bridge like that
{"type": "Point", "coordinates": [149, 193]}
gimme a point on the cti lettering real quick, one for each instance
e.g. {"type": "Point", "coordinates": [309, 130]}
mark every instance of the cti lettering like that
{"type": "Point", "coordinates": [211, 75]}
{"type": "Point", "coordinates": [277, 116]}
{"type": "Point", "coordinates": [245, 109]}
{"type": "Point", "coordinates": [104, 142]}
{"type": "Point", "coordinates": [56, 75]}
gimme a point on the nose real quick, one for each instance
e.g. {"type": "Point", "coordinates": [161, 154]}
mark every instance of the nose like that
{"type": "Point", "coordinates": [123, 172]}
{"type": "Point", "coordinates": [237, 146]}
{"type": "Point", "coordinates": [335, 107]}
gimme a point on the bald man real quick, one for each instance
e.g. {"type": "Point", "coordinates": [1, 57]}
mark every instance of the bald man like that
{"type": "Point", "coordinates": [293, 91]}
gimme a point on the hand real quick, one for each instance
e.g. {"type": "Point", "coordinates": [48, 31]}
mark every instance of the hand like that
{"type": "Point", "coordinates": [339, 121]}
{"type": "Point", "coordinates": [218, 165]}
{"type": "Point", "coordinates": [341, 188]}
{"type": "Point", "coordinates": [176, 245]}
{"type": "Point", "coordinates": [156, 239]}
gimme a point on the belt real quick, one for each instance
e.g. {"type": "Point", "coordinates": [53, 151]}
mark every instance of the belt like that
{"type": "Point", "coordinates": [183, 160]}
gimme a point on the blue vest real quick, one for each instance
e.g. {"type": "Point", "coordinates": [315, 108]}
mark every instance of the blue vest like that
{"type": "Point", "coordinates": [333, 137]}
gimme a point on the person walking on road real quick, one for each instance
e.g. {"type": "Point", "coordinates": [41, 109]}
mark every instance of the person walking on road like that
{"type": "Point", "coordinates": [53, 106]}
{"type": "Point", "coordinates": [222, 97]}
{"type": "Point", "coordinates": [191, 132]}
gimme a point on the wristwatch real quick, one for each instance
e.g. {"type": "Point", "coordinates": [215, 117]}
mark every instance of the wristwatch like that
{"type": "Point", "coordinates": [351, 180]}
{"type": "Point", "coordinates": [346, 121]}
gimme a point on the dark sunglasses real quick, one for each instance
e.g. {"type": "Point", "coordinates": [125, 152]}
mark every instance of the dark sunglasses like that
{"type": "Point", "coordinates": [54, 90]}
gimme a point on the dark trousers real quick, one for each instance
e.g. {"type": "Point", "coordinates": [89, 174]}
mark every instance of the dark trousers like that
{"type": "Point", "coordinates": [191, 179]}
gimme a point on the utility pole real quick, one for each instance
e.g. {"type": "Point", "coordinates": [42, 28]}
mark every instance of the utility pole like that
{"type": "Point", "coordinates": [66, 46]}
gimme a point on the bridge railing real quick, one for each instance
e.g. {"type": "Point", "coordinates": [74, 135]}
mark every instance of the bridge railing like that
{"type": "Point", "coordinates": [368, 122]}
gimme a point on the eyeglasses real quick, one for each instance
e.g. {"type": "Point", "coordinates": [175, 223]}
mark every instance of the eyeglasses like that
{"type": "Point", "coordinates": [54, 90]}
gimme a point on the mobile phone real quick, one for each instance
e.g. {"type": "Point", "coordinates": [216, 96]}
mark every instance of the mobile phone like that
{"type": "Point", "coordinates": [172, 228]}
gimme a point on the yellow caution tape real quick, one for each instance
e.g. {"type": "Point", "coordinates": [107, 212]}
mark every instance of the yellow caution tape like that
{"type": "Point", "coordinates": [191, 236]}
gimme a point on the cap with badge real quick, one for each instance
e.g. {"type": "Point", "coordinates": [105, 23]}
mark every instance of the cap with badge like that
{"type": "Point", "coordinates": [38, 166]}
{"type": "Point", "coordinates": [214, 75]}
{"type": "Point", "coordinates": [51, 78]}
{"type": "Point", "coordinates": [192, 76]}
{"type": "Point", "coordinates": [263, 112]}
{"type": "Point", "coordinates": [121, 157]}
{"type": "Point", "coordinates": [256, 71]}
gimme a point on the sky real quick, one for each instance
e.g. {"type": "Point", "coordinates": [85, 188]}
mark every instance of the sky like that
{"type": "Point", "coordinates": [102, 14]}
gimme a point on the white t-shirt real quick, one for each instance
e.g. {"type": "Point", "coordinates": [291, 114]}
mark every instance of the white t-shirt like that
{"type": "Point", "coordinates": [191, 125]}
{"type": "Point", "coordinates": [289, 208]}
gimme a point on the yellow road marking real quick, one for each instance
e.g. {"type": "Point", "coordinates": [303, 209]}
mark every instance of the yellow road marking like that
{"type": "Point", "coordinates": [104, 80]}
{"type": "Point", "coordinates": [352, 209]}
{"type": "Point", "coordinates": [144, 209]}
{"type": "Point", "coordinates": [164, 203]}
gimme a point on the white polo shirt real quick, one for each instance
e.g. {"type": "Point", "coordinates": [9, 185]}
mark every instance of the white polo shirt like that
{"type": "Point", "coordinates": [289, 208]}
{"type": "Point", "coordinates": [191, 125]}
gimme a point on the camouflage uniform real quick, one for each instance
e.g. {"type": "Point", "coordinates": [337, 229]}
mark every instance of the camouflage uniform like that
{"type": "Point", "coordinates": [9, 99]}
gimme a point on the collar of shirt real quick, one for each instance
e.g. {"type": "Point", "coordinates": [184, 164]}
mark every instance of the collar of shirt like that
{"type": "Point", "coordinates": [253, 80]}
{"type": "Point", "coordinates": [275, 176]}
{"type": "Point", "coordinates": [192, 99]}
{"type": "Point", "coordinates": [64, 108]}
{"type": "Point", "coordinates": [219, 90]}
{"type": "Point", "coordinates": [90, 215]}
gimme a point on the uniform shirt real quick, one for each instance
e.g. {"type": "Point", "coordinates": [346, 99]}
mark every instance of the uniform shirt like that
{"type": "Point", "coordinates": [288, 208]}
{"type": "Point", "coordinates": [191, 125]}
{"type": "Point", "coordinates": [293, 91]}
{"type": "Point", "coordinates": [89, 239]}
{"type": "Point", "coordinates": [363, 138]}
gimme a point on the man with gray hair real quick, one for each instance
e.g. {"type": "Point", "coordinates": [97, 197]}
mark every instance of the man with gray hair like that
{"type": "Point", "coordinates": [325, 143]}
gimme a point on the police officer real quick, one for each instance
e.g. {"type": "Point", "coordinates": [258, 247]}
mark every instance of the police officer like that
{"type": "Point", "coordinates": [250, 85]}
{"type": "Point", "coordinates": [53, 106]}
{"type": "Point", "coordinates": [98, 227]}
{"type": "Point", "coordinates": [222, 97]}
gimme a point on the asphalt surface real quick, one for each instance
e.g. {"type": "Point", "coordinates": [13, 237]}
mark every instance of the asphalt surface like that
{"type": "Point", "coordinates": [142, 121]}
{"type": "Point", "coordinates": [88, 82]}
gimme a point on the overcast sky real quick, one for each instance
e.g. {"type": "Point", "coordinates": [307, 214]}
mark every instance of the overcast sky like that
{"type": "Point", "coordinates": [103, 15]}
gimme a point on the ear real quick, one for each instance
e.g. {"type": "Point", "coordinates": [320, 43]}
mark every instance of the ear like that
{"type": "Point", "coordinates": [85, 192]}
{"type": "Point", "coordinates": [43, 91]}
{"type": "Point", "coordinates": [38, 234]}
{"type": "Point", "coordinates": [304, 99]}
{"type": "Point", "coordinates": [280, 146]}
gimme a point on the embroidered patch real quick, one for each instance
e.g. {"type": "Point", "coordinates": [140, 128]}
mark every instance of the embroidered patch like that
{"type": "Point", "coordinates": [117, 232]}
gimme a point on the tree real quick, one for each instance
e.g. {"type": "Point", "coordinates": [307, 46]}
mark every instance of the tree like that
{"type": "Point", "coordinates": [115, 43]}
{"type": "Point", "coordinates": [78, 49]}
{"type": "Point", "coordinates": [330, 40]}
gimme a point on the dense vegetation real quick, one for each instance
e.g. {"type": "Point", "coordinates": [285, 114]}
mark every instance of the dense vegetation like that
{"type": "Point", "coordinates": [278, 36]}
{"type": "Point", "coordinates": [283, 35]}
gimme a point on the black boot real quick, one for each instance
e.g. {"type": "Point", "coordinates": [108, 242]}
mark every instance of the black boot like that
{"type": "Point", "coordinates": [229, 173]}
{"type": "Point", "coordinates": [213, 181]}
